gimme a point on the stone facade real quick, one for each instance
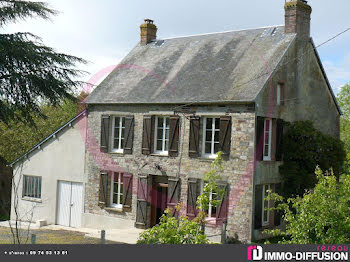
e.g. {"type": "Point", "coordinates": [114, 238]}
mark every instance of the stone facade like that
{"type": "Point", "coordinates": [238, 169]}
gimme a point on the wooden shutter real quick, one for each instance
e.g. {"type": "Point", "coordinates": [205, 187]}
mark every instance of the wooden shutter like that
{"type": "Point", "coordinates": [225, 135]}
{"type": "Point", "coordinates": [103, 188]}
{"type": "Point", "coordinates": [194, 136]}
{"type": "Point", "coordinates": [279, 139]}
{"type": "Point", "coordinates": [174, 135]}
{"type": "Point", "coordinates": [105, 120]}
{"type": "Point", "coordinates": [273, 139]}
{"type": "Point", "coordinates": [148, 134]}
{"type": "Point", "coordinates": [277, 213]}
{"type": "Point", "coordinates": [127, 189]}
{"type": "Point", "coordinates": [259, 138]}
{"type": "Point", "coordinates": [192, 198]}
{"type": "Point", "coordinates": [173, 192]}
{"type": "Point", "coordinates": [258, 206]}
{"type": "Point", "coordinates": [129, 134]}
{"type": "Point", "coordinates": [142, 198]}
{"type": "Point", "coordinates": [221, 214]}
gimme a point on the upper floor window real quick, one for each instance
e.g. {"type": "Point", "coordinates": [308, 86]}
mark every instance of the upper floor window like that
{"type": "Point", "coordinates": [267, 139]}
{"type": "Point", "coordinates": [280, 94]}
{"type": "Point", "coordinates": [118, 134]}
{"type": "Point", "coordinates": [161, 135]}
{"type": "Point", "coordinates": [32, 186]}
{"type": "Point", "coordinates": [116, 190]}
{"type": "Point", "coordinates": [211, 130]}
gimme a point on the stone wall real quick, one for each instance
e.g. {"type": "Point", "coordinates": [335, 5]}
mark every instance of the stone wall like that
{"type": "Point", "coordinates": [306, 97]}
{"type": "Point", "coordinates": [238, 170]}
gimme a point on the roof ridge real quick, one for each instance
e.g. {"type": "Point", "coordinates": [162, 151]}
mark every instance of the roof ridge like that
{"type": "Point", "coordinates": [222, 32]}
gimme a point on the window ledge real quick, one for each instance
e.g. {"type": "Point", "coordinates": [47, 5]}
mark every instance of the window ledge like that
{"type": "Point", "coordinates": [115, 209]}
{"type": "Point", "coordinates": [30, 199]}
{"type": "Point", "coordinates": [159, 154]}
{"type": "Point", "coordinates": [117, 153]}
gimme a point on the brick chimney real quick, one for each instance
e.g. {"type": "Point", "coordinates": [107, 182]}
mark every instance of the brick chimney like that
{"type": "Point", "coordinates": [297, 18]}
{"type": "Point", "coordinates": [148, 32]}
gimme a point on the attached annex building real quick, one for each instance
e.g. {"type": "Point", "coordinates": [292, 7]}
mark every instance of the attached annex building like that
{"type": "Point", "coordinates": [156, 123]}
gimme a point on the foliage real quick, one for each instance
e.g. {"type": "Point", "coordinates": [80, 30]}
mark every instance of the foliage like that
{"type": "Point", "coordinates": [321, 216]}
{"type": "Point", "coordinates": [306, 148]}
{"type": "Point", "coordinates": [344, 102]}
{"type": "Point", "coordinates": [172, 230]}
{"type": "Point", "coordinates": [16, 137]}
{"type": "Point", "coordinates": [30, 72]}
{"type": "Point", "coordinates": [211, 180]}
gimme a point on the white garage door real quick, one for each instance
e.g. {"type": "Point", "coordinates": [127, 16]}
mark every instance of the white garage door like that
{"type": "Point", "coordinates": [69, 203]}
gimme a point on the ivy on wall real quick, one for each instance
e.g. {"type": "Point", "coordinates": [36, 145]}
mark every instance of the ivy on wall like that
{"type": "Point", "coordinates": [305, 148]}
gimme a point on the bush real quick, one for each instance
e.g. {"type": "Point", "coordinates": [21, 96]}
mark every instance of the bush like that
{"type": "Point", "coordinates": [321, 216]}
{"type": "Point", "coordinates": [174, 231]}
{"type": "Point", "coordinates": [304, 148]}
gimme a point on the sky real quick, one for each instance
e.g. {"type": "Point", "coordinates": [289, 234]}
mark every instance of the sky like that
{"type": "Point", "coordinates": [103, 32]}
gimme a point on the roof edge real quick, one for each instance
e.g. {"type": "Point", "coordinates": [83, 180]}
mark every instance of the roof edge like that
{"type": "Point", "coordinates": [48, 137]}
{"type": "Point", "coordinates": [178, 103]}
{"type": "Point", "coordinates": [326, 77]}
{"type": "Point", "coordinates": [277, 66]}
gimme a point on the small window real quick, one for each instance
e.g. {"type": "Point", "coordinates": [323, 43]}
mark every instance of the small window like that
{"type": "Point", "coordinates": [267, 138]}
{"type": "Point", "coordinates": [279, 94]}
{"type": "Point", "coordinates": [118, 134]}
{"type": "Point", "coordinates": [211, 130]}
{"type": "Point", "coordinates": [265, 205]}
{"type": "Point", "coordinates": [32, 186]}
{"type": "Point", "coordinates": [117, 190]}
{"type": "Point", "coordinates": [161, 135]}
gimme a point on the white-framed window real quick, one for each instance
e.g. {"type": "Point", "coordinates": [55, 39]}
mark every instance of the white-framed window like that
{"type": "Point", "coordinates": [278, 94]}
{"type": "Point", "coordinates": [212, 196]}
{"type": "Point", "coordinates": [116, 190]}
{"type": "Point", "coordinates": [161, 135]}
{"type": "Point", "coordinates": [210, 143]}
{"type": "Point", "coordinates": [265, 205]}
{"type": "Point", "coordinates": [32, 186]}
{"type": "Point", "coordinates": [118, 134]}
{"type": "Point", "coordinates": [267, 138]}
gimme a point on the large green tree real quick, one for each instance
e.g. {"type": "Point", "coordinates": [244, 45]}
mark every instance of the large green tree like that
{"type": "Point", "coordinates": [30, 72]}
{"type": "Point", "coordinates": [16, 137]}
{"type": "Point", "coordinates": [344, 102]}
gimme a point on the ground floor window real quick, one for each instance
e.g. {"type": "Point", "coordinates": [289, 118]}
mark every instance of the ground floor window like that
{"type": "Point", "coordinates": [117, 190]}
{"type": "Point", "coordinates": [265, 205]}
{"type": "Point", "coordinates": [211, 213]}
{"type": "Point", "coordinates": [32, 186]}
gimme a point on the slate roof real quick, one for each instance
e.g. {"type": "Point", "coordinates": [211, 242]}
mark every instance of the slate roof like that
{"type": "Point", "coordinates": [227, 66]}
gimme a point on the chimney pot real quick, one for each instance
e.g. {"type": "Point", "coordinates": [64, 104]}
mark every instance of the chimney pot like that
{"type": "Point", "coordinates": [148, 32]}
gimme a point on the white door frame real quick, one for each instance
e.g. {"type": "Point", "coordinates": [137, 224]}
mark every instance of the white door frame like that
{"type": "Point", "coordinates": [69, 203]}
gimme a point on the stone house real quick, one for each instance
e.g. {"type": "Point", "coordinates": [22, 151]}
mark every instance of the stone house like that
{"type": "Point", "coordinates": [156, 123]}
